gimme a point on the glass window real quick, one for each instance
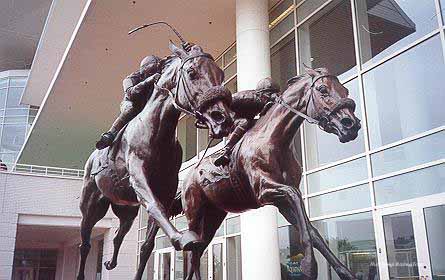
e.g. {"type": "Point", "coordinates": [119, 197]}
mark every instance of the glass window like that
{"type": "Point", "coordinates": [220, 230]}
{"type": "Point", "coordinates": [347, 173]}
{"type": "Point", "coordinates": [352, 240]}
{"type": "Point", "coordinates": [3, 97]}
{"type": "Point", "coordinates": [230, 71]}
{"type": "Point", "coordinates": [319, 147]}
{"type": "Point", "coordinates": [279, 11]}
{"type": "Point", "coordinates": [180, 265]}
{"type": "Point", "coordinates": [435, 227]}
{"type": "Point", "coordinates": [385, 26]}
{"type": "Point", "coordinates": [404, 95]}
{"type": "Point", "coordinates": [217, 264]}
{"type": "Point", "coordinates": [400, 246]}
{"type": "Point", "coordinates": [232, 85]}
{"type": "Point", "coordinates": [307, 8]}
{"type": "Point", "coordinates": [233, 225]}
{"type": "Point", "coordinates": [17, 81]}
{"type": "Point", "coordinates": [340, 201]}
{"type": "Point", "coordinates": [413, 153]}
{"type": "Point", "coordinates": [162, 242]}
{"type": "Point", "coordinates": [181, 223]}
{"type": "Point", "coordinates": [4, 83]}
{"type": "Point", "coordinates": [204, 265]}
{"type": "Point", "coordinates": [291, 253]}
{"type": "Point", "coordinates": [410, 185]}
{"type": "Point", "coordinates": [327, 40]}
{"type": "Point", "coordinates": [13, 137]}
{"type": "Point", "coordinates": [234, 264]}
{"type": "Point", "coordinates": [14, 96]}
{"type": "Point", "coordinates": [281, 28]}
{"type": "Point", "coordinates": [149, 272]}
{"type": "Point", "coordinates": [283, 61]}
{"type": "Point", "coordinates": [187, 136]}
{"type": "Point", "coordinates": [230, 55]}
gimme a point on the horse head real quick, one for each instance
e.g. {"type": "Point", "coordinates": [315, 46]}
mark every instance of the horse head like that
{"type": "Point", "coordinates": [196, 81]}
{"type": "Point", "coordinates": [326, 100]}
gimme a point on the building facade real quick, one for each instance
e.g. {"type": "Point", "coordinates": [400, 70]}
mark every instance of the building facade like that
{"type": "Point", "coordinates": [379, 201]}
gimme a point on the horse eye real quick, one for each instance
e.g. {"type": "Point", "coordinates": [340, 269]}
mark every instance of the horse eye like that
{"type": "Point", "coordinates": [191, 72]}
{"type": "Point", "coordinates": [323, 90]}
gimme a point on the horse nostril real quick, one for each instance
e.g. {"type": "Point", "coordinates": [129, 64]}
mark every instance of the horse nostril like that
{"type": "Point", "coordinates": [347, 122]}
{"type": "Point", "coordinates": [218, 117]}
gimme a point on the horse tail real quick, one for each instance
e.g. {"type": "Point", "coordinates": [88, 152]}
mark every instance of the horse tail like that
{"type": "Point", "coordinates": [176, 207]}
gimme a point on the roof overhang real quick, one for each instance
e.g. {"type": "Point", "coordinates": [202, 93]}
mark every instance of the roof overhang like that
{"type": "Point", "coordinates": [83, 95]}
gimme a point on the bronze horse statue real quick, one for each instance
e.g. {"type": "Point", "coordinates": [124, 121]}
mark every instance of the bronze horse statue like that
{"type": "Point", "coordinates": [145, 163]}
{"type": "Point", "coordinates": [264, 170]}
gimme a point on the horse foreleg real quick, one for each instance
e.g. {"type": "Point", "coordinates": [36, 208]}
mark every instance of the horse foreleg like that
{"type": "Point", "coordinates": [126, 215]}
{"type": "Point", "coordinates": [290, 204]}
{"type": "Point", "coordinates": [342, 271]}
{"type": "Point", "coordinates": [181, 241]}
{"type": "Point", "coordinates": [147, 247]}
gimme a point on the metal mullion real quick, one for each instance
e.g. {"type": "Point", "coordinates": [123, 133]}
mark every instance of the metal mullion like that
{"type": "Point", "coordinates": [440, 22]}
{"type": "Point", "coordinates": [335, 163]}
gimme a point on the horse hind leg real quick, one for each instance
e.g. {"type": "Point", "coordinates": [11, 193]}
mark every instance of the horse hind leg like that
{"type": "Point", "coordinates": [147, 247]}
{"type": "Point", "coordinates": [126, 215]}
{"type": "Point", "coordinates": [205, 225]}
{"type": "Point", "coordinates": [93, 207]}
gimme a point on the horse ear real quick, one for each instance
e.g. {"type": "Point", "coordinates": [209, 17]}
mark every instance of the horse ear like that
{"type": "Point", "coordinates": [310, 71]}
{"type": "Point", "coordinates": [177, 51]}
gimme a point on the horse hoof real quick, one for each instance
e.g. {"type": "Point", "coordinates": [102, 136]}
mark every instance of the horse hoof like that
{"type": "Point", "coordinates": [188, 241]}
{"type": "Point", "coordinates": [109, 265]}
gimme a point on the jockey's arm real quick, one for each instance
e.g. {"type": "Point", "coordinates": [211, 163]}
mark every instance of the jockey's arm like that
{"type": "Point", "coordinates": [133, 89]}
{"type": "Point", "coordinates": [246, 103]}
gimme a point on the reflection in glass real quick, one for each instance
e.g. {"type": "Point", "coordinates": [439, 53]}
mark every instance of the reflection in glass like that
{"type": "Point", "coordinates": [290, 253]}
{"type": "Point", "coordinates": [283, 61]}
{"type": "Point", "coordinates": [13, 137]}
{"type": "Point", "coordinates": [435, 227]}
{"type": "Point", "coordinates": [232, 85]}
{"type": "Point", "coordinates": [352, 240]}
{"type": "Point", "coordinates": [230, 55]}
{"type": "Point", "coordinates": [230, 71]}
{"type": "Point", "coordinates": [401, 86]}
{"type": "Point", "coordinates": [343, 174]}
{"type": "Point", "coordinates": [187, 136]}
{"type": "Point", "coordinates": [14, 96]}
{"type": "Point", "coordinates": [327, 40]}
{"type": "Point", "coordinates": [164, 266]}
{"type": "Point", "coordinates": [340, 201]}
{"type": "Point", "coordinates": [385, 26]}
{"type": "Point", "coordinates": [400, 246]}
{"type": "Point", "coordinates": [323, 148]}
{"type": "Point", "coordinates": [410, 185]}
{"type": "Point", "coordinates": [423, 150]}
{"type": "Point", "coordinates": [233, 225]}
{"type": "Point", "coordinates": [217, 262]}
{"type": "Point", "coordinates": [180, 265]}
{"type": "Point", "coordinates": [307, 8]}
{"type": "Point", "coordinates": [280, 10]}
{"type": "Point", "coordinates": [281, 28]}
{"type": "Point", "coordinates": [234, 268]}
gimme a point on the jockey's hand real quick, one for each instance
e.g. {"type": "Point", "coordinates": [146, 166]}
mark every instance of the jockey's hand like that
{"type": "Point", "coordinates": [187, 46]}
{"type": "Point", "coordinates": [156, 77]}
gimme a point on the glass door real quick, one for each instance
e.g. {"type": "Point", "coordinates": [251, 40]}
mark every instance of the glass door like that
{"type": "Point", "coordinates": [216, 260]}
{"type": "Point", "coordinates": [410, 239]}
{"type": "Point", "coordinates": [164, 264]}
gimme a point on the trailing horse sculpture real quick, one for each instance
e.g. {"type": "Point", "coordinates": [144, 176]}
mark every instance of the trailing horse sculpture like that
{"type": "Point", "coordinates": [264, 171]}
{"type": "Point", "coordinates": [142, 168]}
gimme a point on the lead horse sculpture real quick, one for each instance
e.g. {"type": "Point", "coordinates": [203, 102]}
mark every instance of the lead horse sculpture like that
{"type": "Point", "coordinates": [264, 170]}
{"type": "Point", "coordinates": [142, 168]}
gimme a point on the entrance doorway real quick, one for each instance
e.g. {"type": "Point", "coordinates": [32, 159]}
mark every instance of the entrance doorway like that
{"type": "Point", "coordinates": [410, 239]}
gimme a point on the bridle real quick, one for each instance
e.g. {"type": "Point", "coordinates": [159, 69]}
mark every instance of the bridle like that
{"type": "Point", "coordinates": [200, 120]}
{"type": "Point", "coordinates": [325, 118]}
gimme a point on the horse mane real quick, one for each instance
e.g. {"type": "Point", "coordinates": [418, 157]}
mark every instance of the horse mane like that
{"type": "Point", "coordinates": [293, 80]}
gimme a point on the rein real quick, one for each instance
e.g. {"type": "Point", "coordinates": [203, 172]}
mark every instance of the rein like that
{"type": "Point", "coordinates": [195, 113]}
{"type": "Point", "coordinates": [311, 120]}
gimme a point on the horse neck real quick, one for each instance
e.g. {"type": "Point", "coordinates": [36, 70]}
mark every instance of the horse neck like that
{"type": "Point", "coordinates": [280, 124]}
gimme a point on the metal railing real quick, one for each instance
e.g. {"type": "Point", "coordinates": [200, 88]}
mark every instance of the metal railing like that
{"type": "Point", "coordinates": [42, 170]}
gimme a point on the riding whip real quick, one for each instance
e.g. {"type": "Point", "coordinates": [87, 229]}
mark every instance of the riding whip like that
{"type": "Point", "coordinates": [156, 23]}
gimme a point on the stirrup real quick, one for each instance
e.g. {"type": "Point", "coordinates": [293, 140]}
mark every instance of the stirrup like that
{"type": "Point", "coordinates": [105, 140]}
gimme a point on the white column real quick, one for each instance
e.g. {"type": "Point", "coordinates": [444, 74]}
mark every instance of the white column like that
{"type": "Point", "coordinates": [259, 238]}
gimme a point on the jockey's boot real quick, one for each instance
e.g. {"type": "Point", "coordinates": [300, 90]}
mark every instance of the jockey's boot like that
{"type": "Point", "coordinates": [105, 140]}
{"type": "Point", "coordinates": [236, 135]}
